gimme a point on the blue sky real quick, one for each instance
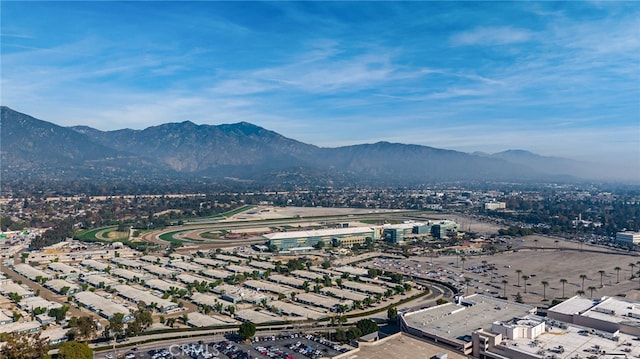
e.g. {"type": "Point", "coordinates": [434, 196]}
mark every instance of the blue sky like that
{"type": "Point", "coordinates": [555, 78]}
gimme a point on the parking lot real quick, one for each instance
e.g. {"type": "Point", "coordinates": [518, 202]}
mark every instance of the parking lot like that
{"type": "Point", "coordinates": [291, 346]}
{"type": "Point", "coordinates": [544, 261]}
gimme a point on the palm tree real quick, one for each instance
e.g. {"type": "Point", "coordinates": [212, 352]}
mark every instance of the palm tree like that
{"type": "Point", "coordinates": [592, 288]}
{"type": "Point", "coordinates": [467, 280]}
{"type": "Point", "coordinates": [544, 289]}
{"type": "Point", "coordinates": [504, 288]}
{"type": "Point", "coordinates": [535, 247]}
{"type": "Point", "coordinates": [601, 275]}
{"type": "Point", "coordinates": [518, 271]}
{"type": "Point", "coordinates": [632, 265]}
{"type": "Point", "coordinates": [583, 277]}
{"type": "Point", "coordinates": [617, 269]}
{"type": "Point", "coordinates": [580, 292]}
{"type": "Point", "coordinates": [563, 281]}
{"type": "Point", "coordinates": [557, 245]}
{"type": "Point", "coordinates": [525, 278]}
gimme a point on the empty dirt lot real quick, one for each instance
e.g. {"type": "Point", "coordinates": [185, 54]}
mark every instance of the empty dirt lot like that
{"type": "Point", "coordinates": [549, 261]}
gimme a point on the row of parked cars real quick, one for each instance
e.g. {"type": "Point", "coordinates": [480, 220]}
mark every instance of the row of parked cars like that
{"type": "Point", "coordinates": [229, 349]}
{"type": "Point", "coordinates": [325, 342]}
{"type": "Point", "coordinates": [273, 352]}
{"type": "Point", "coordinates": [306, 350]}
{"type": "Point", "coordinates": [160, 354]}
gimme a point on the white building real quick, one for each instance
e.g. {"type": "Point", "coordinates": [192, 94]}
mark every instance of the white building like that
{"type": "Point", "coordinates": [494, 206]}
{"type": "Point", "coordinates": [136, 295]}
{"type": "Point", "coordinates": [105, 307]}
{"type": "Point", "coordinates": [62, 286]}
{"type": "Point", "coordinates": [628, 237]}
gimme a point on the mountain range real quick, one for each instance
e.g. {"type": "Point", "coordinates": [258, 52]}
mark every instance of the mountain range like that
{"type": "Point", "coordinates": [36, 149]}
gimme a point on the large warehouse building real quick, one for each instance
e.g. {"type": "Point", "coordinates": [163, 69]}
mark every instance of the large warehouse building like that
{"type": "Point", "coordinates": [452, 324]}
{"type": "Point", "coordinates": [335, 237]}
{"type": "Point", "coordinates": [338, 237]}
{"type": "Point", "coordinates": [488, 328]}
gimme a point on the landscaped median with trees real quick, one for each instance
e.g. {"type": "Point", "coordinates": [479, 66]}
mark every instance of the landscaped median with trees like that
{"type": "Point", "coordinates": [32, 346]}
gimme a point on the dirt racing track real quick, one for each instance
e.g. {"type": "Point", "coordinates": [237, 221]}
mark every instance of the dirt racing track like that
{"type": "Point", "coordinates": [194, 237]}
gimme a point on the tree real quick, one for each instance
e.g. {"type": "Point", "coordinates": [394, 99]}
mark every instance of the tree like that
{"type": "Point", "coordinates": [563, 281]}
{"type": "Point", "coordinates": [544, 289]}
{"type": "Point", "coordinates": [75, 350]}
{"type": "Point", "coordinates": [583, 277]}
{"type": "Point", "coordinates": [24, 346]}
{"type": "Point", "coordinates": [519, 298]}
{"type": "Point", "coordinates": [353, 333]}
{"type": "Point", "coordinates": [601, 275]}
{"type": "Point", "coordinates": [504, 288]}
{"type": "Point", "coordinates": [58, 313]}
{"type": "Point", "coordinates": [617, 269]}
{"type": "Point", "coordinates": [247, 330]}
{"type": "Point", "coordinates": [392, 314]}
{"type": "Point", "coordinates": [632, 265]}
{"type": "Point", "coordinates": [116, 325]}
{"type": "Point", "coordinates": [591, 288]}
{"type": "Point", "coordinates": [85, 328]}
{"type": "Point", "coordinates": [367, 326]}
{"type": "Point", "coordinates": [518, 272]}
{"type": "Point", "coordinates": [467, 281]}
{"type": "Point", "coordinates": [525, 278]}
{"type": "Point", "coordinates": [141, 320]}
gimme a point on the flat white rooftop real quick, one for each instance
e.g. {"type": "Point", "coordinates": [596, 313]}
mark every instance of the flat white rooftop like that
{"type": "Point", "coordinates": [250, 315]}
{"type": "Point", "coordinates": [298, 310]}
{"type": "Point", "coordinates": [573, 305]}
{"type": "Point", "coordinates": [575, 341]}
{"type": "Point", "coordinates": [616, 310]}
{"type": "Point", "coordinates": [456, 321]}
{"type": "Point", "coordinates": [196, 319]}
{"type": "Point", "coordinates": [320, 233]}
{"type": "Point", "coordinates": [209, 262]}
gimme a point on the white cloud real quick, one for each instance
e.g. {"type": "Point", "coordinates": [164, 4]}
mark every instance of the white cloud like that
{"type": "Point", "coordinates": [491, 36]}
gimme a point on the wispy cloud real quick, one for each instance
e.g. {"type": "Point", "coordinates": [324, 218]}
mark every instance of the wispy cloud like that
{"type": "Point", "coordinates": [339, 73]}
{"type": "Point", "coordinates": [491, 36]}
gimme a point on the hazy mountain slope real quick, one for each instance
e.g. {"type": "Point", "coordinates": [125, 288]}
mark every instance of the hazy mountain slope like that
{"type": "Point", "coordinates": [26, 139]}
{"type": "Point", "coordinates": [412, 162]}
{"type": "Point", "coordinates": [543, 164]}
{"type": "Point", "coordinates": [244, 152]}
{"type": "Point", "coordinates": [188, 147]}
{"type": "Point", "coordinates": [40, 149]}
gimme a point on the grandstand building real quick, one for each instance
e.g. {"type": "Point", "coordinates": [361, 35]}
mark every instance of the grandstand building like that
{"type": "Point", "coordinates": [336, 237]}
